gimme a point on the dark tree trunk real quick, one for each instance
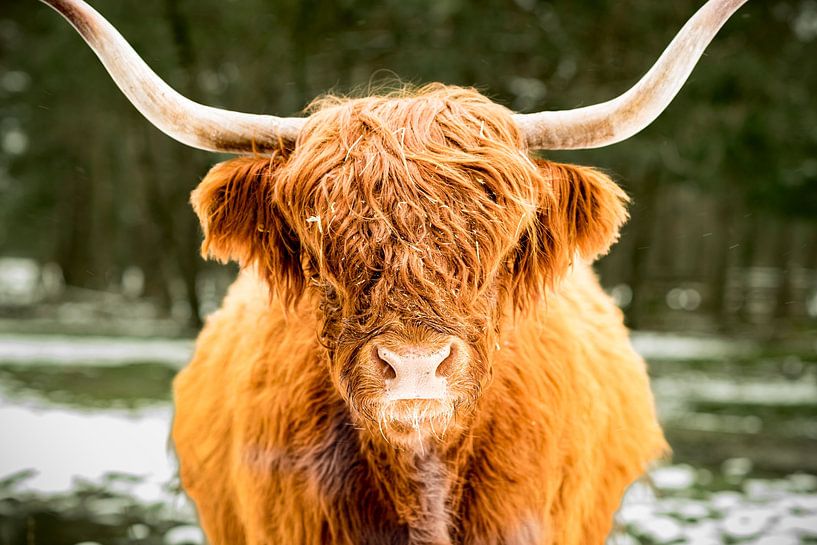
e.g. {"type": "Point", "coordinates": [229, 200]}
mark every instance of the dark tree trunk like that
{"type": "Point", "coordinates": [786, 248]}
{"type": "Point", "coordinates": [73, 250]}
{"type": "Point", "coordinates": [643, 218]}
{"type": "Point", "coordinates": [722, 258]}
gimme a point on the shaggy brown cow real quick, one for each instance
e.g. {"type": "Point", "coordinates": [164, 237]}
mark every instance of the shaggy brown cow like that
{"type": "Point", "coordinates": [416, 350]}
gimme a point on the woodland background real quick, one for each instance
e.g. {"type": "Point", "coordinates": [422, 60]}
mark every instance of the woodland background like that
{"type": "Point", "coordinates": [724, 183]}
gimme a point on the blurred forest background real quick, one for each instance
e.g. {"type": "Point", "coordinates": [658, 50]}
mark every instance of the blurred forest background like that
{"type": "Point", "coordinates": [95, 227]}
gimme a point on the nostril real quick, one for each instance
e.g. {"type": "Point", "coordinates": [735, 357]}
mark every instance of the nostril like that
{"type": "Point", "coordinates": [386, 368]}
{"type": "Point", "coordinates": [446, 365]}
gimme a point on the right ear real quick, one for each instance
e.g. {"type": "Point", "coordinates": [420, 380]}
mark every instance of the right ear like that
{"type": "Point", "coordinates": [235, 205]}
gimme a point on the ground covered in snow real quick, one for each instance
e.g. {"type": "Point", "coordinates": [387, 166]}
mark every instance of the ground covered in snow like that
{"type": "Point", "coordinates": [84, 458]}
{"type": "Point", "coordinates": [686, 506]}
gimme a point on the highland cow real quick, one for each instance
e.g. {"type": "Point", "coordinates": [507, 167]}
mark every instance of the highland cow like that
{"type": "Point", "coordinates": [416, 350]}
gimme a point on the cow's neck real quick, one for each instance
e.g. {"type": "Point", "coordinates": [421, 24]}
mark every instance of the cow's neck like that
{"type": "Point", "coordinates": [418, 482]}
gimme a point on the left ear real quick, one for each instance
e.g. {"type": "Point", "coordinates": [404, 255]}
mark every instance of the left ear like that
{"type": "Point", "coordinates": [579, 213]}
{"type": "Point", "coordinates": [588, 208]}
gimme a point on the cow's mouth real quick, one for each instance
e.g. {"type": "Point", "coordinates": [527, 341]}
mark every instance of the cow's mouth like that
{"type": "Point", "coordinates": [415, 419]}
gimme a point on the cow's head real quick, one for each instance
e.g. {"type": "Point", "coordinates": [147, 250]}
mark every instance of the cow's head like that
{"type": "Point", "coordinates": [415, 221]}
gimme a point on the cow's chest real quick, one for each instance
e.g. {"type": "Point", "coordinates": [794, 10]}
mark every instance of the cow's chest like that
{"type": "Point", "coordinates": [380, 497]}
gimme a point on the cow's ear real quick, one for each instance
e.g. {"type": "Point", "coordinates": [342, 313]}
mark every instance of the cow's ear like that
{"type": "Point", "coordinates": [588, 208]}
{"type": "Point", "coordinates": [241, 221]}
{"type": "Point", "coordinates": [578, 214]}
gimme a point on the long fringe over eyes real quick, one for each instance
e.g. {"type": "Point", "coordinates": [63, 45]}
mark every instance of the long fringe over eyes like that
{"type": "Point", "coordinates": [413, 198]}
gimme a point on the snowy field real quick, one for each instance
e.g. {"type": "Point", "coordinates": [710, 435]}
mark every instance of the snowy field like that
{"type": "Point", "coordinates": [84, 426]}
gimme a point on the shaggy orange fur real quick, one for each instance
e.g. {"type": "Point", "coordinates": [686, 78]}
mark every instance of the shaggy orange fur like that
{"type": "Point", "coordinates": [411, 218]}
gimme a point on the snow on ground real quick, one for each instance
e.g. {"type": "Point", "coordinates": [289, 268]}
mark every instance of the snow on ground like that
{"type": "Point", "coordinates": [113, 350]}
{"type": "Point", "coordinates": [65, 447]}
{"type": "Point", "coordinates": [125, 451]}
{"type": "Point", "coordinates": [655, 345]}
{"type": "Point", "coordinates": [61, 350]}
{"type": "Point", "coordinates": [72, 447]}
{"type": "Point", "coordinates": [779, 511]}
{"type": "Point", "coordinates": [772, 391]}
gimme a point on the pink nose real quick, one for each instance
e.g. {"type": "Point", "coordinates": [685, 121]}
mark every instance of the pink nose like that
{"type": "Point", "coordinates": [413, 372]}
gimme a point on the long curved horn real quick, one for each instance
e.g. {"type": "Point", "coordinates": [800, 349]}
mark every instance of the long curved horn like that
{"type": "Point", "coordinates": [618, 119]}
{"type": "Point", "coordinates": [189, 122]}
